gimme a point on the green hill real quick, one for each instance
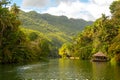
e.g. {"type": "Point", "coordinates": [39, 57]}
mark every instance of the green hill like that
{"type": "Point", "coordinates": [58, 29]}
{"type": "Point", "coordinates": [47, 23]}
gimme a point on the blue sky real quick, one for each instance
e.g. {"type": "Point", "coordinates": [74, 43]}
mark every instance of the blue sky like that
{"type": "Point", "coordinates": [85, 9]}
{"type": "Point", "coordinates": [18, 2]}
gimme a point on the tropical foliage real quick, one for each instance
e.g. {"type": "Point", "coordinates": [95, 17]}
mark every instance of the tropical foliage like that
{"type": "Point", "coordinates": [15, 46]}
{"type": "Point", "coordinates": [57, 29]}
{"type": "Point", "coordinates": [103, 35]}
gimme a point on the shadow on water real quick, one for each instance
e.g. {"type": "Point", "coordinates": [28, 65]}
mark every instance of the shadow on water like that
{"type": "Point", "coordinates": [8, 72]}
{"type": "Point", "coordinates": [61, 69]}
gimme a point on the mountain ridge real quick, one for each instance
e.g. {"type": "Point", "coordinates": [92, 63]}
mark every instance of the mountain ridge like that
{"type": "Point", "coordinates": [58, 29]}
{"type": "Point", "coordinates": [62, 23]}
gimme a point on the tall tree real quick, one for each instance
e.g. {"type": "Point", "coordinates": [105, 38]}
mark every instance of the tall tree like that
{"type": "Point", "coordinates": [4, 18]}
{"type": "Point", "coordinates": [15, 9]}
{"type": "Point", "coordinates": [9, 32]}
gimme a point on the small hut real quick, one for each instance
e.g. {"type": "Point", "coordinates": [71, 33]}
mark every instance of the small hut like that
{"type": "Point", "coordinates": [99, 57]}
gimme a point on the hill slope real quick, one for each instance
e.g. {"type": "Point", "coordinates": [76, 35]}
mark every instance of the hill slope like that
{"type": "Point", "coordinates": [48, 23]}
{"type": "Point", "coordinates": [58, 29]}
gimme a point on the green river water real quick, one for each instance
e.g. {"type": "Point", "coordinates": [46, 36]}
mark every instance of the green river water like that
{"type": "Point", "coordinates": [61, 69]}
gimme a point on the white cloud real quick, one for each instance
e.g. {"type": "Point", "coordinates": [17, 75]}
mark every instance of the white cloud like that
{"type": "Point", "coordinates": [66, 1]}
{"type": "Point", "coordinates": [90, 10]}
{"type": "Point", "coordinates": [101, 3]}
{"type": "Point", "coordinates": [34, 3]}
{"type": "Point", "coordinates": [76, 9]}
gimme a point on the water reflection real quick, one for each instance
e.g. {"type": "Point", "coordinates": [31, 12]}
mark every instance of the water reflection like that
{"type": "Point", "coordinates": [100, 70]}
{"type": "Point", "coordinates": [105, 71]}
{"type": "Point", "coordinates": [61, 69]}
{"type": "Point", "coordinates": [81, 70]}
{"type": "Point", "coordinates": [8, 72]}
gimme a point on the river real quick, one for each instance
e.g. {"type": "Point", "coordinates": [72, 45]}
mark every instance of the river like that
{"type": "Point", "coordinates": [61, 69]}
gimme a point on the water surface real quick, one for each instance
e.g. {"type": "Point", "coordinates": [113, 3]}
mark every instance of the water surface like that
{"type": "Point", "coordinates": [61, 69]}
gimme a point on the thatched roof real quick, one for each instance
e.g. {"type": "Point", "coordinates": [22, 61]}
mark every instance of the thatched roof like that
{"type": "Point", "coordinates": [99, 54]}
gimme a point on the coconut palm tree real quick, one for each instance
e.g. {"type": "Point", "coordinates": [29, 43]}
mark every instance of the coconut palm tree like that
{"type": "Point", "coordinates": [15, 9]}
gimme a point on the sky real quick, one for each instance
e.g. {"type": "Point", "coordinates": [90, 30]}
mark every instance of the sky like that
{"type": "Point", "coordinates": [88, 10]}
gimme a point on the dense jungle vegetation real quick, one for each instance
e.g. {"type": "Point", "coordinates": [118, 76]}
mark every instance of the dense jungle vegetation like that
{"type": "Point", "coordinates": [103, 35]}
{"type": "Point", "coordinates": [18, 44]}
{"type": "Point", "coordinates": [57, 29]}
{"type": "Point", "coordinates": [30, 36]}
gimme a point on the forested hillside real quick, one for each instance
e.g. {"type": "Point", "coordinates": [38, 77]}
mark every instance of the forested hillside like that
{"type": "Point", "coordinates": [58, 29]}
{"type": "Point", "coordinates": [30, 36]}
{"type": "Point", "coordinates": [102, 36]}
{"type": "Point", "coordinates": [47, 23]}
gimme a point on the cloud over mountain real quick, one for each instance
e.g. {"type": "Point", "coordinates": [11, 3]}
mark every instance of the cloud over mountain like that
{"type": "Point", "coordinates": [35, 3]}
{"type": "Point", "coordinates": [89, 10]}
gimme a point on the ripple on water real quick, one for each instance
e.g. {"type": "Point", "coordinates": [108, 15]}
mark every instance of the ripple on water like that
{"type": "Point", "coordinates": [26, 67]}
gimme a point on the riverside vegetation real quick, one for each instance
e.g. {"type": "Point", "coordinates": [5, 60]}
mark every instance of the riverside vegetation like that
{"type": "Point", "coordinates": [30, 36]}
{"type": "Point", "coordinates": [17, 45]}
{"type": "Point", "coordinates": [103, 35]}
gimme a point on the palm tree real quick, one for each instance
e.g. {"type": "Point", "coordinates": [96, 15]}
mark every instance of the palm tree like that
{"type": "Point", "coordinates": [15, 9]}
{"type": "Point", "coordinates": [3, 15]}
{"type": "Point", "coordinates": [4, 2]}
{"type": "Point", "coordinates": [104, 17]}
